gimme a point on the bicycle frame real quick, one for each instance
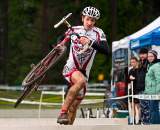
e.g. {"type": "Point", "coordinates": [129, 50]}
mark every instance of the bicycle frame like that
{"type": "Point", "coordinates": [38, 72]}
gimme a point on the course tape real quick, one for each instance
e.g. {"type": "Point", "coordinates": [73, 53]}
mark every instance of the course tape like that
{"type": "Point", "coordinates": [85, 101]}
{"type": "Point", "coordinates": [141, 96]}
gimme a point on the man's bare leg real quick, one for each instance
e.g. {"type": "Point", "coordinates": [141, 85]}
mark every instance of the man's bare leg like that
{"type": "Point", "coordinates": [79, 82]}
{"type": "Point", "coordinates": [72, 111]}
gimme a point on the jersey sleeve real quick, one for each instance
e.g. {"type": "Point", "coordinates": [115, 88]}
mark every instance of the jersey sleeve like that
{"type": "Point", "coordinates": [102, 35]}
{"type": "Point", "coordinates": [101, 44]}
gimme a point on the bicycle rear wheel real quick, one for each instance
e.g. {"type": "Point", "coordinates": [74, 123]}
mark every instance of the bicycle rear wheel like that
{"type": "Point", "coordinates": [44, 65]}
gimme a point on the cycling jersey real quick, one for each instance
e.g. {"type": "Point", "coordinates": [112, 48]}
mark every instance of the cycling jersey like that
{"type": "Point", "coordinates": [82, 62]}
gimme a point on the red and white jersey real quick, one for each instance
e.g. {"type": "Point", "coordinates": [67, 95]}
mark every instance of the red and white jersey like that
{"type": "Point", "coordinates": [83, 61]}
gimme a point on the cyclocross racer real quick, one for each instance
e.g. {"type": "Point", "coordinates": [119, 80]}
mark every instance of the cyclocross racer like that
{"type": "Point", "coordinates": [84, 45]}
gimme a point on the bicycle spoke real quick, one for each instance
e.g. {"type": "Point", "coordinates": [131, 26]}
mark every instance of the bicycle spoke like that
{"type": "Point", "coordinates": [40, 69]}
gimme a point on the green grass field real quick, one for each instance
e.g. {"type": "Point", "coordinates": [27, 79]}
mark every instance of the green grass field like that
{"type": "Point", "coordinates": [35, 96]}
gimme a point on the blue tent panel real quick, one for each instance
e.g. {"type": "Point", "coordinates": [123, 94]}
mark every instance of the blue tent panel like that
{"type": "Point", "coordinates": [151, 38]}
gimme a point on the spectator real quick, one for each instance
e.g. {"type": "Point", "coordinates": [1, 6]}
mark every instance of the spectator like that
{"type": "Point", "coordinates": [152, 86]}
{"type": "Point", "coordinates": [142, 67]}
{"type": "Point", "coordinates": [133, 76]}
{"type": "Point", "coordinates": [143, 53]}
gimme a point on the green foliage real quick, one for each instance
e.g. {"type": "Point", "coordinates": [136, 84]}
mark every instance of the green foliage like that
{"type": "Point", "coordinates": [24, 47]}
{"type": "Point", "coordinates": [25, 33]}
{"type": "Point", "coordinates": [35, 96]}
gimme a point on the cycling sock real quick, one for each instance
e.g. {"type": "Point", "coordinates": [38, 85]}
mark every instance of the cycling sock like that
{"type": "Point", "coordinates": [63, 111]}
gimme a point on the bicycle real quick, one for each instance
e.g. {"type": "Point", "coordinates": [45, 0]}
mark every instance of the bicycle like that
{"type": "Point", "coordinates": [38, 72]}
{"type": "Point", "coordinates": [112, 107]}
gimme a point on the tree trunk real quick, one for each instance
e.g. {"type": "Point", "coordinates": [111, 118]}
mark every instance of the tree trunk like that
{"type": "Point", "coordinates": [3, 40]}
{"type": "Point", "coordinates": [45, 27]}
{"type": "Point", "coordinates": [77, 17]}
{"type": "Point", "coordinates": [147, 10]}
{"type": "Point", "coordinates": [156, 9]}
{"type": "Point", "coordinates": [114, 19]}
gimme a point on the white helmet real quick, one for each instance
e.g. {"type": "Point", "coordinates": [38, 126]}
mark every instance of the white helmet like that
{"type": "Point", "coordinates": [92, 12]}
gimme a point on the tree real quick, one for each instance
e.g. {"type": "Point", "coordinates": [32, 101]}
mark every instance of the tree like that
{"type": "Point", "coordinates": [3, 40]}
{"type": "Point", "coordinates": [114, 19]}
{"type": "Point", "coordinates": [30, 31]}
{"type": "Point", "coordinates": [45, 27]}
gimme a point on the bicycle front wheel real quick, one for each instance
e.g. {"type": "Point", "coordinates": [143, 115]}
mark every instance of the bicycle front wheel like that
{"type": "Point", "coordinates": [44, 65]}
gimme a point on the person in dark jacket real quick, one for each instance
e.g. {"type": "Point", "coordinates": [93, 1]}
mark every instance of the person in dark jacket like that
{"type": "Point", "coordinates": [133, 77]}
{"type": "Point", "coordinates": [143, 53]}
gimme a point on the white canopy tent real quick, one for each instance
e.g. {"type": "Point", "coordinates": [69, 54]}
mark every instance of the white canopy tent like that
{"type": "Point", "coordinates": [125, 42]}
{"type": "Point", "coordinates": [155, 24]}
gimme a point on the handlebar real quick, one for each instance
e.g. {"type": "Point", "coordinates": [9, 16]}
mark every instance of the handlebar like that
{"type": "Point", "coordinates": [63, 20]}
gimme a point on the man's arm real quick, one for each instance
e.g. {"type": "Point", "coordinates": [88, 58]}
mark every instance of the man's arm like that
{"type": "Point", "coordinates": [102, 47]}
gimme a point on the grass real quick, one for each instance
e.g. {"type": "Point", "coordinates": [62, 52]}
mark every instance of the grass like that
{"type": "Point", "coordinates": [35, 96]}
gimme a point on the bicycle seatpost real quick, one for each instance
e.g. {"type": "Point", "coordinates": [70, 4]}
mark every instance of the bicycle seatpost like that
{"type": "Point", "coordinates": [63, 20]}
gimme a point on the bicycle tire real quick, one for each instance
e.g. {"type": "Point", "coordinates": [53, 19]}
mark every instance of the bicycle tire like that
{"type": "Point", "coordinates": [120, 105]}
{"type": "Point", "coordinates": [28, 90]}
{"type": "Point", "coordinates": [44, 65]}
{"type": "Point", "coordinates": [23, 95]}
{"type": "Point", "coordinates": [106, 108]}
